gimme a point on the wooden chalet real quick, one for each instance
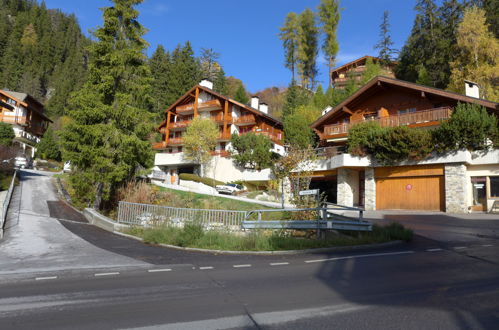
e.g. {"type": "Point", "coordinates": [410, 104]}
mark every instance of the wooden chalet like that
{"type": "Point", "coordinates": [355, 69]}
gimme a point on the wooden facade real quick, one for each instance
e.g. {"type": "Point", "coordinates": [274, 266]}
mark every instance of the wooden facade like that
{"type": "Point", "coordinates": [24, 112]}
{"type": "Point", "coordinates": [391, 102]}
{"type": "Point", "coordinates": [225, 112]}
{"type": "Point", "coordinates": [355, 70]}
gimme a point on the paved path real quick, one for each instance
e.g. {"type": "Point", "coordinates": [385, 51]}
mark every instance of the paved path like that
{"type": "Point", "coordinates": [35, 241]}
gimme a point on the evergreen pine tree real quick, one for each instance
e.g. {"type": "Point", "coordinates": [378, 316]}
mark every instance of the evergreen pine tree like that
{"type": "Point", "coordinates": [241, 95]}
{"type": "Point", "coordinates": [220, 83]}
{"type": "Point", "coordinates": [329, 15]}
{"type": "Point", "coordinates": [385, 43]}
{"type": "Point", "coordinates": [307, 48]}
{"type": "Point", "coordinates": [289, 37]}
{"type": "Point", "coordinates": [107, 138]}
{"type": "Point", "coordinates": [159, 64]}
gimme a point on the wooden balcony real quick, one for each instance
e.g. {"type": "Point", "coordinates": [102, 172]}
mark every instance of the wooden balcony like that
{"type": "Point", "coordinates": [219, 119]}
{"type": "Point", "coordinates": [275, 137]}
{"type": "Point", "coordinates": [245, 120]}
{"type": "Point", "coordinates": [223, 153]}
{"type": "Point", "coordinates": [19, 120]}
{"type": "Point", "coordinates": [210, 105]}
{"type": "Point", "coordinates": [175, 141]}
{"type": "Point", "coordinates": [179, 124]}
{"type": "Point", "coordinates": [419, 118]}
{"type": "Point", "coordinates": [159, 145]}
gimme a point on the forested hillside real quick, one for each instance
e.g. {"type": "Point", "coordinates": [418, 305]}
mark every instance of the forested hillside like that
{"type": "Point", "coordinates": [41, 52]}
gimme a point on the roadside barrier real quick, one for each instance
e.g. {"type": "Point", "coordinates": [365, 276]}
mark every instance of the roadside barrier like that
{"type": "Point", "coordinates": [6, 203]}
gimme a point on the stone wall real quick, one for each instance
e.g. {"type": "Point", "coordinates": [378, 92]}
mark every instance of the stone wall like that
{"type": "Point", "coordinates": [369, 189]}
{"type": "Point", "coordinates": [348, 187]}
{"type": "Point", "coordinates": [455, 188]}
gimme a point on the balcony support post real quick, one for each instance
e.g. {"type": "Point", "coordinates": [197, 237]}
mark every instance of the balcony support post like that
{"type": "Point", "coordinates": [196, 97]}
{"type": "Point", "coordinates": [167, 130]}
{"type": "Point", "coordinates": [226, 114]}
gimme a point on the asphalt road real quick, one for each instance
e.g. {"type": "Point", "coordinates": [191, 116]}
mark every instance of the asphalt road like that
{"type": "Point", "coordinates": [452, 283]}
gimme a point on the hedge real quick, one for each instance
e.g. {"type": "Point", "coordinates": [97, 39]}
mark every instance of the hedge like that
{"type": "Point", "coordinates": [196, 178]}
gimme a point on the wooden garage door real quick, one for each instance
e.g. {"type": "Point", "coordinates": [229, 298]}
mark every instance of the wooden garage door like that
{"type": "Point", "coordinates": [410, 189]}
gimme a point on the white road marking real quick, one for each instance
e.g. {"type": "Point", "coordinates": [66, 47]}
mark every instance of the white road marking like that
{"type": "Point", "coordinates": [107, 274]}
{"type": "Point", "coordinates": [159, 270]}
{"type": "Point", "coordinates": [361, 256]}
{"type": "Point", "coordinates": [207, 267]}
{"type": "Point", "coordinates": [241, 266]}
{"type": "Point", "coordinates": [45, 278]}
{"type": "Point", "coordinates": [487, 245]}
{"type": "Point", "coordinates": [279, 263]}
{"type": "Point", "coordinates": [433, 250]}
{"type": "Point", "coordinates": [460, 247]}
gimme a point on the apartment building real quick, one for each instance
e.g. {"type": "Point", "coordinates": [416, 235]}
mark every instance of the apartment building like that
{"type": "Point", "coordinates": [26, 115]}
{"type": "Point", "coordinates": [457, 182]}
{"type": "Point", "coordinates": [231, 117]}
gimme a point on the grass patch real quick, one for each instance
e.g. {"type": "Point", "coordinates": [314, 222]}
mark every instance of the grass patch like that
{"type": "Point", "coordinates": [193, 235]}
{"type": "Point", "coordinates": [6, 178]}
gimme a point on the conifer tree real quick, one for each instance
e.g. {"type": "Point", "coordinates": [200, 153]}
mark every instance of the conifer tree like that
{"type": "Point", "coordinates": [307, 48]}
{"type": "Point", "coordinates": [220, 83]}
{"type": "Point", "coordinates": [329, 15]}
{"type": "Point", "coordinates": [372, 70]}
{"type": "Point", "coordinates": [385, 43]}
{"type": "Point", "coordinates": [289, 37]}
{"type": "Point", "coordinates": [159, 65]}
{"type": "Point", "coordinates": [209, 64]}
{"type": "Point", "coordinates": [107, 138]}
{"type": "Point", "coordinates": [241, 95]}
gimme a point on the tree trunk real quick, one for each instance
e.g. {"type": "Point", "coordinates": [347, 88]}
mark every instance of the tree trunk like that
{"type": "Point", "coordinates": [98, 196]}
{"type": "Point", "coordinates": [330, 71]}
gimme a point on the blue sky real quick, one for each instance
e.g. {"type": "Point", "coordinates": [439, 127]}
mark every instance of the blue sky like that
{"type": "Point", "coordinates": [245, 33]}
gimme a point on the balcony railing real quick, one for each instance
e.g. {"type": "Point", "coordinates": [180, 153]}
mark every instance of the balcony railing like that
{"type": "Point", "coordinates": [20, 120]}
{"type": "Point", "coordinates": [202, 106]}
{"type": "Point", "coordinates": [225, 136]}
{"type": "Point", "coordinates": [220, 118]}
{"type": "Point", "coordinates": [179, 124]}
{"type": "Point", "coordinates": [159, 145]}
{"type": "Point", "coordinates": [245, 120]}
{"type": "Point", "coordinates": [423, 116]}
{"type": "Point", "coordinates": [329, 152]}
{"type": "Point", "coordinates": [276, 137]}
{"type": "Point", "coordinates": [175, 141]}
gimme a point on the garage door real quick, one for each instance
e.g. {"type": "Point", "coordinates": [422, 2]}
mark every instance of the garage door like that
{"type": "Point", "coordinates": [410, 188]}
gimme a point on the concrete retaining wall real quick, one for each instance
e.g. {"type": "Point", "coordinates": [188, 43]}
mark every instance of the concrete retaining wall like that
{"type": "Point", "coordinates": [99, 220]}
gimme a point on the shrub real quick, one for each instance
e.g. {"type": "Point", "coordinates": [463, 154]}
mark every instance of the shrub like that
{"type": "Point", "coordinates": [470, 127]}
{"type": "Point", "coordinates": [196, 178]}
{"type": "Point", "coordinates": [389, 145]}
{"type": "Point", "coordinates": [393, 231]}
{"type": "Point", "coordinates": [6, 134]}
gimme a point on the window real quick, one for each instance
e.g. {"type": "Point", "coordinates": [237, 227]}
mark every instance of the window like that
{"type": "Point", "coordinates": [11, 102]}
{"type": "Point", "coordinates": [406, 111]}
{"type": "Point", "coordinates": [494, 186]}
{"type": "Point", "coordinates": [369, 116]}
{"type": "Point", "coordinates": [179, 149]}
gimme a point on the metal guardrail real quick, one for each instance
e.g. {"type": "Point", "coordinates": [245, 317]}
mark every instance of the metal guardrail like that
{"type": "Point", "coordinates": [326, 219]}
{"type": "Point", "coordinates": [6, 202]}
{"type": "Point", "coordinates": [155, 215]}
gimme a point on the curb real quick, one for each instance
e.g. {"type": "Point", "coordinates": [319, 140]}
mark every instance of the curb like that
{"type": "Point", "coordinates": [285, 252]}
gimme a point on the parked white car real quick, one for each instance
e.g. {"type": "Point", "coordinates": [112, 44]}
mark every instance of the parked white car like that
{"type": "Point", "coordinates": [229, 188]}
{"type": "Point", "coordinates": [21, 162]}
{"type": "Point", "coordinates": [67, 167]}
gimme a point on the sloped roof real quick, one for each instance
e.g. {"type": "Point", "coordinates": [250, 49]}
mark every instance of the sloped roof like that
{"type": "Point", "coordinates": [382, 80]}
{"type": "Point", "coordinates": [210, 91]}
{"type": "Point", "coordinates": [356, 61]}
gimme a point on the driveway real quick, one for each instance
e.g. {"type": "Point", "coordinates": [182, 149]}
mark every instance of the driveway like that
{"type": "Point", "coordinates": [35, 241]}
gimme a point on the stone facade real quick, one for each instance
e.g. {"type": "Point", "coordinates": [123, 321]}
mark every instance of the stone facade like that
{"type": "Point", "coordinates": [348, 187]}
{"type": "Point", "coordinates": [455, 188]}
{"type": "Point", "coordinates": [369, 189]}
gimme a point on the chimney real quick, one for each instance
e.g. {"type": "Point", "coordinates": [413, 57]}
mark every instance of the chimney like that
{"type": "Point", "coordinates": [254, 101]}
{"type": "Point", "coordinates": [206, 83]}
{"type": "Point", "coordinates": [326, 110]}
{"type": "Point", "coordinates": [471, 89]}
{"type": "Point", "coordinates": [264, 108]}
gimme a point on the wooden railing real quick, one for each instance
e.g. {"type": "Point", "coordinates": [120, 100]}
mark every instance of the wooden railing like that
{"type": "Point", "coordinates": [20, 120]}
{"type": "Point", "coordinates": [223, 153]}
{"type": "Point", "coordinates": [159, 145]}
{"type": "Point", "coordinates": [423, 116]}
{"type": "Point", "coordinates": [179, 124]}
{"type": "Point", "coordinates": [202, 106]}
{"type": "Point", "coordinates": [226, 136]}
{"type": "Point", "coordinates": [220, 118]}
{"type": "Point", "coordinates": [276, 137]}
{"type": "Point", "coordinates": [246, 119]}
{"type": "Point", "coordinates": [175, 141]}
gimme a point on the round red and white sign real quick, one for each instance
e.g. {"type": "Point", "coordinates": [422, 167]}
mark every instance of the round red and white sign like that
{"type": "Point", "coordinates": [408, 187]}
